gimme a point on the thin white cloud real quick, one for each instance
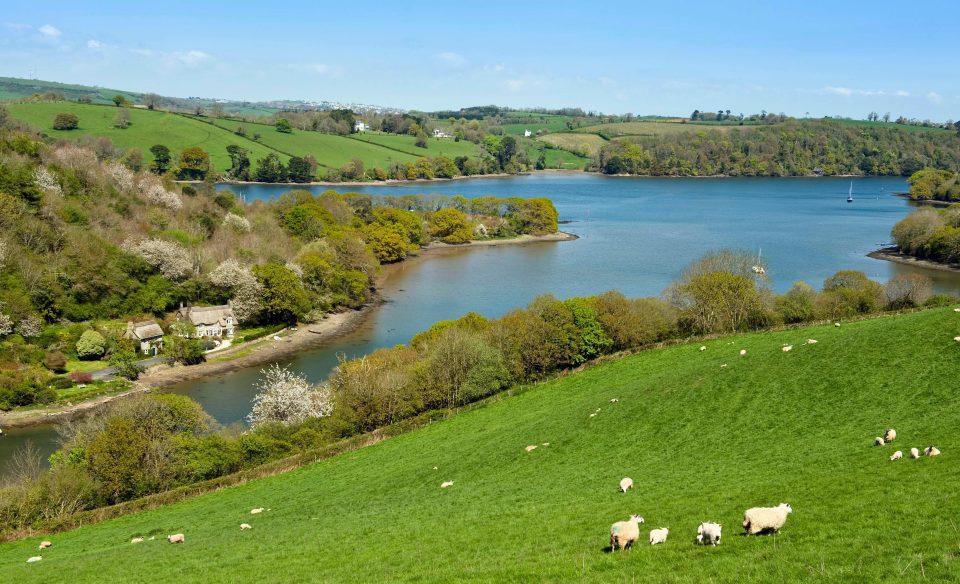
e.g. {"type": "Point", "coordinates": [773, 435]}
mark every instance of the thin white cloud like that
{"type": "Point", "coordinates": [902, 93]}
{"type": "Point", "coordinates": [318, 69]}
{"type": "Point", "coordinates": [95, 45]}
{"type": "Point", "coordinates": [191, 58]}
{"type": "Point", "coordinates": [452, 59]}
{"type": "Point", "coordinates": [49, 31]}
{"type": "Point", "coordinates": [850, 92]}
{"type": "Point", "coordinates": [16, 26]}
{"type": "Point", "coordinates": [607, 82]}
{"type": "Point", "coordinates": [935, 97]}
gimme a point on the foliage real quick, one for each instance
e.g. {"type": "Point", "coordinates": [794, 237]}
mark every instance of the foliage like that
{"type": "Point", "coordinates": [124, 363]}
{"type": "Point", "coordinates": [284, 298]}
{"type": "Point", "coordinates": [283, 125]}
{"type": "Point", "coordinates": [161, 158]}
{"type": "Point", "coordinates": [287, 398]}
{"type": "Point", "coordinates": [91, 345]}
{"type": "Point", "coordinates": [65, 121]}
{"type": "Point", "coordinates": [194, 164]}
{"type": "Point", "coordinates": [450, 226]}
{"type": "Point", "coordinates": [185, 350]}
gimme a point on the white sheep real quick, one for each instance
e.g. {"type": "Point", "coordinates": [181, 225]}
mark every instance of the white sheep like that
{"type": "Point", "coordinates": [890, 435]}
{"type": "Point", "coordinates": [758, 519]}
{"type": "Point", "coordinates": [956, 309]}
{"type": "Point", "coordinates": [708, 533]}
{"type": "Point", "coordinates": [896, 455]}
{"type": "Point", "coordinates": [703, 348]}
{"type": "Point", "coordinates": [176, 538]}
{"type": "Point", "coordinates": [624, 533]}
{"type": "Point", "coordinates": [531, 447]}
{"type": "Point", "coordinates": [34, 559]}
{"type": "Point", "coordinates": [626, 483]}
{"type": "Point", "coordinates": [446, 484]}
{"type": "Point", "coordinates": [256, 511]}
{"type": "Point", "coordinates": [811, 341]}
{"type": "Point", "coordinates": [658, 535]}
{"type": "Point", "coordinates": [614, 400]}
{"type": "Point", "coordinates": [957, 339]}
{"type": "Point", "coordinates": [743, 352]}
{"type": "Point", "coordinates": [788, 348]}
{"type": "Point", "coordinates": [245, 526]}
{"type": "Point", "coordinates": [836, 324]}
{"type": "Point", "coordinates": [45, 544]}
{"type": "Point", "coordinates": [878, 441]}
{"type": "Point", "coordinates": [137, 540]}
{"type": "Point", "coordinates": [931, 451]}
{"type": "Point", "coordinates": [914, 453]}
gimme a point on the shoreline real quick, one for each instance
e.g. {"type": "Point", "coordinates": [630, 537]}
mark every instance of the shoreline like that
{"type": "Point", "coordinates": [264, 350]}
{"type": "Point", "coordinates": [892, 254]}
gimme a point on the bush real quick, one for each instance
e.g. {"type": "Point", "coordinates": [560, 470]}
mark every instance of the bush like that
{"type": "Point", "coordinates": [450, 226]}
{"type": "Point", "coordinates": [55, 361]}
{"type": "Point", "coordinates": [124, 363]}
{"type": "Point", "coordinates": [65, 121]}
{"type": "Point", "coordinates": [80, 377]}
{"type": "Point", "coordinates": [61, 383]}
{"type": "Point", "coordinates": [185, 351]}
{"type": "Point", "coordinates": [91, 345]}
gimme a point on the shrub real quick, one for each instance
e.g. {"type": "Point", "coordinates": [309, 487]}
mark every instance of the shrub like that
{"type": "Point", "coordinates": [91, 345]}
{"type": "Point", "coordinates": [450, 226]}
{"type": "Point", "coordinates": [55, 361]}
{"type": "Point", "coordinates": [80, 377]}
{"type": "Point", "coordinates": [124, 363]}
{"type": "Point", "coordinates": [907, 291]}
{"type": "Point", "coordinates": [286, 397]}
{"type": "Point", "coordinates": [65, 121]}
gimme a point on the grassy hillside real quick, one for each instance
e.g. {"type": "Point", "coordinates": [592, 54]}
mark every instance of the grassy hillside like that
{"type": "Point", "coordinates": [14, 88]}
{"type": "Point", "coordinates": [147, 128]}
{"type": "Point", "coordinates": [435, 146]}
{"type": "Point", "coordinates": [589, 143]}
{"type": "Point", "coordinates": [701, 441]}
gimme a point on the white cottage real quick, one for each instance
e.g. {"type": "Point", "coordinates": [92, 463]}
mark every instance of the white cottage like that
{"type": "Point", "coordinates": [148, 333]}
{"type": "Point", "coordinates": [360, 127]}
{"type": "Point", "coordinates": [438, 133]}
{"type": "Point", "coordinates": [209, 321]}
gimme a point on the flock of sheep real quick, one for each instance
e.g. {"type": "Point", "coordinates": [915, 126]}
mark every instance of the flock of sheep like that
{"type": "Point", "coordinates": [890, 435]}
{"type": "Point", "coordinates": [756, 520]}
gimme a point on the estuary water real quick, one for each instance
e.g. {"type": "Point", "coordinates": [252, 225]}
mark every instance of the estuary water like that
{"type": "Point", "coordinates": [635, 235]}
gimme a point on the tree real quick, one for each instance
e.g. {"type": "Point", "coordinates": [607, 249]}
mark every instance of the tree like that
{"type": "Point", "coordinates": [718, 302]}
{"type": "Point", "coordinates": [115, 458]}
{"type": "Point", "coordinates": [450, 226]}
{"type": "Point", "coordinates": [65, 121]}
{"type": "Point", "coordinates": [288, 398]}
{"type": "Point", "coordinates": [119, 100]}
{"type": "Point", "coordinates": [55, 361]}
{"type": "Point", "coordinates": [298, 170]}
{"type": "Point", "coordinates": [122, 120]}
{"type": "Point", "coordinates": [284, 299]}
{"type": "Point", "coordinates": [695, 115]}
{"type": "Point", "coordinates": [217, 110]}
{"type": "Point", "coordinates": [421, 141]}
{"type": "Point", "coordinates": [184, 350]}
{"type": "Point", "coordinates": [161, 158]}
{"type": "Point", "coordinates": [91, 345]}
{"type": "Point", "coordinates": [194, 163]}
{"type": "Point", "coordinates": [124, 363]}
{"type": "Point", "coordinates": [886, 117]}
{"type": "Point", "coordinates": [907, 291]}
{"type": "Point", "coordinates": [386, 243]}
{"type": "Point", "coordinates": [239, 162]}
{"type": "Point", "coordinates": [151, 100]}
{"type": "Point", "coordinates": [283, 125]}
{"type": "Point", "coordinates": [270, 169]}
{"type": "Point", "coordinates": [541, 163]}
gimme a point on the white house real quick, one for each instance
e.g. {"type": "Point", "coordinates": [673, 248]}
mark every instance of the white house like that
{"type": "Point", "coordinates": [360, 127]}
{"type": "Point", "coordinates": [438, 133]}
{"type": "Point", "coordinates": [527, 133]}
{"type": "Point", "coordinates": [210, 321]}
{"type": "Point", "coordinates": [148, 333]}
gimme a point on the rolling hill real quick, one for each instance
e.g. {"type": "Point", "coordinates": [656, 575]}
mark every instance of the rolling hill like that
{"type": "Point", "coordinates": [704, 435]}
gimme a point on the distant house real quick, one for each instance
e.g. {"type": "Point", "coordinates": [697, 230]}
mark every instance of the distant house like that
{"type": "Point", "coordinates": [148, 333]}
{"type": "Point", "coordinates": [527, 133]}
{"type": "Point", "coordinates": [360, 127]}
{"type": "Point", "coordinates": [208, 321]}
{"type": "Point", "coordinates": [438, 133]}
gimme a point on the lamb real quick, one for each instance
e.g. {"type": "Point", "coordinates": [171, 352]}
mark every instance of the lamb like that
{"type": "Point", "coordinates": [624, 533]}
{"type": "Point", "coordinates": [708, 533]}
{"type": "Point", "coordinates": [45, 544]}
{"type": "Point", "coordinates": [658, 535]}
{"type": "Point", "coordinates": [758, 519]}
{"type": "Point", "coordinates": [890, 435]}
{"type": "Point", "coordinates": [896, 455]}
{"type": "Point", "coordinates": [177, 538]}
{"type": "Point", "coordinates": [931, 451]}
{"type": "Point", "coordinates": [788, 348]}
{"type": "Point", "coordinates": [256, 511]}
{"type": "Point", "coordinates": [34, 559]}
{"type": "Point", "coordinates": [446, 484]}
{"type": "Point", "coordinates": [878, 441]}
{"type": "Point", "coordinates": [914, 453]}
{"type": "Point", "coordinates": [626, 483]}
{"type": "Point", "coordinates": [137, 540]}
{"type": "Point", "coordinates": [245, 526]}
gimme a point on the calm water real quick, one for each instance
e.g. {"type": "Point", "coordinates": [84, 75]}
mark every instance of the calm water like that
{"type": "Point", "coordinates": [636, 235]}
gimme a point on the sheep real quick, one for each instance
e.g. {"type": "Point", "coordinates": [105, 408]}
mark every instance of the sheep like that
{"type": "Point", "coordinates": [931, 451]}
{"type": "Point", "coordinates": [956, 309]}
{"type": "Point", "coordinates": [614, 400]}
{"type": "Point", "coordinates": [811, 341]}
{"type": "Point", "coordinates": [245, 526]}
{"type": "Point", "coordinates": [723, 365]}
{"type": "Point", "coordinates": [758, 519]}
{"type": "Point", "coordinates": [896, 455]}
{"type": "Point", "coordinates": [890, 435]}
{"type": "Point", "coordinates": [743, 352]}
{"type": "Point", "coordinates": [626, 483]}
{"type": "Point", "coordinates": [137, 540]}
{"type": "Point", "coordinates": [593, 415]}
{"type": "Point", "coordinates": [45, 544]}
{"type": "Point", "coordinates": [531, 447]}
{"type": "Point", "coordinates": [256, 511]}
{"type": "Point", "coordinates": [836, 324]}
{"type": "Point", "coordinates": [914, 453]}
{"type": "Point", "coordinates": [624, 533]}
{"type": "Point", "coordinates": [703, 348]}
{"type": "Point", "coordinates": [546, 444]}
{"type": "Point", "coordinates": [446, 484]}
{"type": "Point", "coordinates": [658, 535]}
{"type": "Point", "coordinates": [878, 441]}
{"type": "Point", "coordinates": [34, 559]}
{"type": "Point", "coordinates": [788, 348]}
{"type": "Point", "coordinates": [176, 538]}
{"type": "Point", "coordinates": [957, 339]}
{"type": "Point", "coordinates": [708, 533]}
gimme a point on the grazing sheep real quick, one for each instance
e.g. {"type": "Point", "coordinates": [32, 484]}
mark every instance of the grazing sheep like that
{"type": "Point", "coordinates": [546, 444]}
{"type": "Point", "coordinates": [626, 483]}
{"type": "Point", "coordinates": [446, 484]}
{"type": "Point", "coordinates": [878, 441]}
{"type": "Point", "coordinates": [658, 535]}
{"type": "Point", "coordinates": [723, 365]}
{"type": "Point", "coordinates": [931, 451]}
{"type": "Point", "coordinates": [896, 455]}
{"type": "Point", "coordinates": [593, 415]}
{"type": "Point", "coordinates": [137, 540]}
{"type": "Point", "coordinates": [743, 352]}
{"type": "Point", "coordinates": [836, 324]}
{"type": "Point", "coordinates": [957, 339]}
{"type": "Point", "coordinates": [956, 309]}
{"type": "Point", "coordinates": [45, 544]}
{"type": "Point", "coordinates": [788, 348]}
{"type": "Point", "coordinates": [614, 400]}
{"type": "Point", "coordinates": [256, 511]}
{"type": "Point", "coordinates": [758, 519]}
{"type": "Point", "coordinates": [914, 453]}
{"type": "Point", "coordinates": [177, 538]}
{"type": "Point", "coordinates": [703, 348]}
{"type": "Point", "coordinates": [624, 533]}
{"type": "Point", "coordinates": [531, 447]}
{"type": "Point", "coordinates": [890, 435]}
{"type": "Point", "coordinates": [708, 533]}
{"type": "Point", "coordinates": [34, 559]}
{"type": "Point", "coordinates": [245, 526]}
{"type": "Point", "coordinates": [811, 341]}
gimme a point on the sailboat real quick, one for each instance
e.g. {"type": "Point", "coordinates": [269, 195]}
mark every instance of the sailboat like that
{"type": "Point", "coordinates": [850, 194]}
{"type": "Point", "coordinates": [758, 267]}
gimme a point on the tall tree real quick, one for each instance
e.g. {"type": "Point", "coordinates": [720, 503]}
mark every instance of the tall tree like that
{"type": "Point", "coordinates": [161, 158]}
{"type": "Point", "coordinates": [239, 162]}
{"type": "Point", "coordinates": [194, 163]}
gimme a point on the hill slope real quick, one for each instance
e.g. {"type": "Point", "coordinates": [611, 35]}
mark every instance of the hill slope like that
{"type": "Point", "coordinates": [702, 442]}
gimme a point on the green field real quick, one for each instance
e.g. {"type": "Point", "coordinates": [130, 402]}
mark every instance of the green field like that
{"type": "Point", "coordinates": [701, 441]}
{"type": "Point", "coordinates": [550, 122]}
{"type": "Point", "coordinates": [435, 146]}
{"type": "Point", "coordinates": [557, 158]}
{"type": "Point", "coordinates": [575, 142]}
{"type": "Point", "coordinates": [147, 128]}
{"type": "Point", "coordinates": [650, 128]}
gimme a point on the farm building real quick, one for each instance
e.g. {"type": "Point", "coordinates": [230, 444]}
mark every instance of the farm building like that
{"type": "Point", "coordinates": [148, 333]}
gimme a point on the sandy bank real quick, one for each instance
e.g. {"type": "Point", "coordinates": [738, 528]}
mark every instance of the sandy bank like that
{"type": "Point", "coordinates": [891, 254]}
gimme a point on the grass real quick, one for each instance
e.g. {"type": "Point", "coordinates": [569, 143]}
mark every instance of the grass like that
{"type": "Point", "coordinates": [653, 128]}
{"type": "Point", "coordinates": [701, 441]}
{"type": "Point", "coordinates": [85, 366]}
{"type": "Point", "coordinates": [577, 143]}
{"type": "Point", "coordinates": [435, 146]}
{"type": "Point", "coordinates": [147, 128]}
{"type": "Point", "coordinates": [556, 158]}
{"type": "Point", "coordinates": [551, 122]}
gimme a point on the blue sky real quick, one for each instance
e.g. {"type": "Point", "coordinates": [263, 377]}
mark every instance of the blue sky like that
{"type": "Point", "coordinates": [825, 58]}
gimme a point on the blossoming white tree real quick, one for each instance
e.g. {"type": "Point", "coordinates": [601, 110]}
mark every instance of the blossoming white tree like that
{"type": "Point", "coordinates": [247, 292]}
{"type": "Point", "coordinates": [154, 192]}
{"type": "Point", "coordinates": [171, 258]}
{"type": "Point", "coordinates": [237, 223]}
{"type": "Point", "coordinates": [46, 181]}
{"type": "Point", "coordinates": [288, 398]}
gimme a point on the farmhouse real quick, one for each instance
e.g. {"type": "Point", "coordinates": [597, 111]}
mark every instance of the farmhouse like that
{"type": "Point", "coordinates": [360, 127]}
{"type": "Point", "coordinates": [148, 333]}
{"type": "Point", "coordinates": [209, 321]}
{"type": "Point", "coordinates": [438, 133]}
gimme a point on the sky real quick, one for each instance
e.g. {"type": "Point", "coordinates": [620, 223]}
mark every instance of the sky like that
{"type": "Point", "coordinates": [838, 58]}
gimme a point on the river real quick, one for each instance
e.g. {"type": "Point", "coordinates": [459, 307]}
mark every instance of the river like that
{"type": "Point", "coordinates": [636, 235]}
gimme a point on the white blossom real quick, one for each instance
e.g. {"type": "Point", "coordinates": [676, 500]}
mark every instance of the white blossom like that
{"type": "Point", "coordinates": [46, 181]}
{"type": "Point", "coordinates": [29, 327]}
{"type": "Point", "coordinates": [74, 157]}
{"type": "Point", "coordinates": [6, 325]}
{"type": "Point", "coordinates": [3, 252]}
{"type": "Point", "coordinates": [247, 301]}
{"type": "Point", "coordinates": [237, 223]}
{"type": "Point", "coordinates": [171, 258]}
{"type": "Point", "coordinates": [123, 176]}
{"type": "Point", "coordinates": [295, 268]}
{"type": "Point", "coordinates": [231, 274]}
{"type": "Point", "coordinates": [154, 192]}
{"type": "Point", "coordinates": [288, 398]}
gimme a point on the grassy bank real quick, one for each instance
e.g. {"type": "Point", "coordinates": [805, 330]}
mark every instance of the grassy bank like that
{"type": "Point", "coordinates": [702, 442]}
